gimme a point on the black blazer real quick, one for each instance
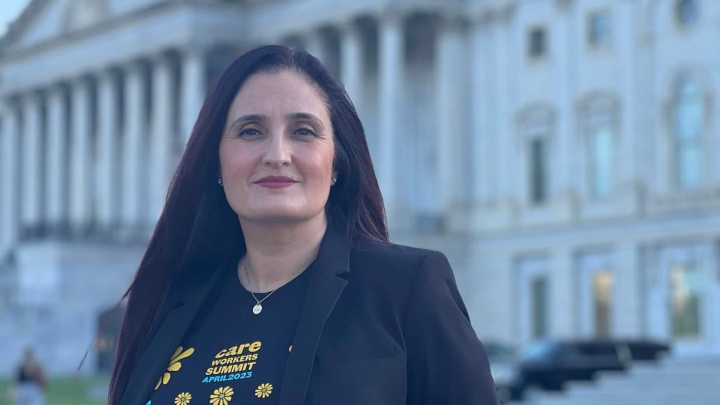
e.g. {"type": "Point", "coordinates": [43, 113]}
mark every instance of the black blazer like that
{"type": "Point", "coordinates": [382, 324]}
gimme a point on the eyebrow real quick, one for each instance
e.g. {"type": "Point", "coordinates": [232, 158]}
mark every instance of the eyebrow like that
{"type": "Point", "coordinates": [296, 116]}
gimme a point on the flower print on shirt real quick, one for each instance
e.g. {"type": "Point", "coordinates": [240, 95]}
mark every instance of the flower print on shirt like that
{"type": "Point", "coordinates": [174, 365]}
{"type": "Point", "coordinates": [183, 398]}
{"type": "Point", "coordinates": [221, 396]}
{"type": "Point", "coordinates": [264, 390]}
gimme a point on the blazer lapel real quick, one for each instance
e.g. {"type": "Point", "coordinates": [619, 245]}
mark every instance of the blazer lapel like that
{"type": "Point", "coordinates": [324, 289]}
{"type": "Point", "coordinates": [167, 338]}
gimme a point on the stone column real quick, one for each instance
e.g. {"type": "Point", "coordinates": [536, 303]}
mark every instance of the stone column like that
{"type": "Point", "coordinates": [562, 299]}
{"type": "Point", "coordinates": [315, 44]}
{"type": "Point", "coordinates": [627, 133]}
{"type": "Point", "coordinates": [501, 35]}
{"type": "Point", "coordinates": [193, 88]}
{"type": "Point", "coordinates": [161, 137]}
{"type": "Point", "coordinates": [628, 175]}
{"type": "Point", "coordinates": [32, 176]}
{"type": "Point", "coordinates": [80, 158]}
{"type": "Point", "coordinates": [450, 138]}
{"type": "Point", "coordinates": [628, 290]}
{"type": "Point", "coordinates": [480, 104]}
{"type": "Point", "coordinates": [9, 180]}
{"type": "Point", "coordinates": [57, 159]}
{"type": "Point", "coordinates": [132, 148]}
{"type": "Point", "coordinates": [391, 55]}
{"type": "Point", "coordinates": [561, 186]}
{"type": "Point", "coordinates": [108, 184]}
{"type": "Point", "coordinates": [351, 60]}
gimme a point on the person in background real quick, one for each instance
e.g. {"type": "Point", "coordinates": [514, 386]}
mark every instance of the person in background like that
{"type": "Point", "coordinates": [30, 382]}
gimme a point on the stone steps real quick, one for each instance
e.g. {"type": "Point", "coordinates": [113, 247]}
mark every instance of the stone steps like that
{"type": "Point", "coordinates": [669, 382]}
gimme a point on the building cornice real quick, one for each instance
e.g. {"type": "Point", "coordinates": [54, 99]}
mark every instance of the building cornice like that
{"type": "Point", "coordinates": [270, 21]}
{"type": "Point", "coordinates": [21, 22]}
{"type": "Point", "coordinates": [138, 39]}
{"type": "Point", "coordinates": [75, 35]}
{"type": "Point", "coordinates": [486, 12]}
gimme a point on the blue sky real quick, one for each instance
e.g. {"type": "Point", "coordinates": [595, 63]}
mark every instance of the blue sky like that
{"type": "Point", "coordinates": [9, 10]}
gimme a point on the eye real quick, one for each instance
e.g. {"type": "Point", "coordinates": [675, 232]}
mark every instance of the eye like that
{"type": "Point", "coordinates": [249, 132]}
{"type": "Point", "coordinates": [305, 132]}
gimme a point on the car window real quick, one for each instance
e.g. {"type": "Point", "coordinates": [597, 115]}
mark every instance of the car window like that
{"type": "Point", "coordinates": [539, 351]}
{"type": "Point", "coordinates": [601, 349]}
{"type": "Point", "coordinates": [573, 351]}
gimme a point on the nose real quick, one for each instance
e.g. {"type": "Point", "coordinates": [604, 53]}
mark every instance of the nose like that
{"type": "Point", "coordinates": [277, 151]}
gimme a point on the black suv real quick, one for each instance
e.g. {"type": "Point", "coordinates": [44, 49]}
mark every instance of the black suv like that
{"type": "Point", "coordinates": [549, 365]}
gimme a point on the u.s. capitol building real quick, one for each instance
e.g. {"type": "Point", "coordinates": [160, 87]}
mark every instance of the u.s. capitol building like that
{"type": "Point", "coordinates": [562, 153]}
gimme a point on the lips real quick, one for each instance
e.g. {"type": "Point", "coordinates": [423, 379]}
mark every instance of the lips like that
{"type": "Point", "coordinates": [276, 181]}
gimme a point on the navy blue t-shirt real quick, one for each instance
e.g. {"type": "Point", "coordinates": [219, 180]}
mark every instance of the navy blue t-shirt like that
{"type": "Point", "coordinates": [232, 356]}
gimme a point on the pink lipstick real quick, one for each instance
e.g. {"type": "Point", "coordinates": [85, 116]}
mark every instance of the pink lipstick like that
{"type": "Point", "coordinates": [276, 182]}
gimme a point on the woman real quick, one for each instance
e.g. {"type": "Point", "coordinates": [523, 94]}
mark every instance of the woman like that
{"type": "Point", "coordinates": [30, 381]}
{"type": "Point", "coordinates": [270, 279]}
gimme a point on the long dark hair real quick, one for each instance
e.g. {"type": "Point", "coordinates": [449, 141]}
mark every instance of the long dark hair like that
{"type": "Point", "coordinates": [197, 224]}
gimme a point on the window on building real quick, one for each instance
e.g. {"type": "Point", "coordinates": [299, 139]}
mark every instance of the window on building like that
{"type": "Point", "coordinates": [537, 43]}
{"type": "Point", "coordinates": [538, 171]}
{"type": "Point", "coordinates": [601, 160]}
{"type": "Point", "coordinates": [685, 286]}
{"type": "Point", "coordinates": [538, 301]}
{"type": "Point", "coordinates": [686, 12]}
{"type": "Point", "coordinates": [599, 29]}
{"type": "Point", "coordinates": [688, 145]}
{"type": "Point", "coordinates": [602, 302]}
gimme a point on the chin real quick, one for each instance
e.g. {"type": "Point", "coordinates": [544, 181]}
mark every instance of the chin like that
{"type": "Point", "coordinates": [279, 216]}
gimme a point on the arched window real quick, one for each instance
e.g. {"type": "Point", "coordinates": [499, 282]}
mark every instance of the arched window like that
{"type": "Point", "coordinates": [601, 160]}
{"type": "Point", "coordinates": [599, 115]}
{"type": "Point", "coordinates": [538, 170]}
{"type": "Point", "coordinates": [536, 127]}
{"type": "Point", "coordinates": [688, 134]}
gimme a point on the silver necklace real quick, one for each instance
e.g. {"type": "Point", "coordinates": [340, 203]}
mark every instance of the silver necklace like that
{"type": "Point", "coordinates": [258, 303]}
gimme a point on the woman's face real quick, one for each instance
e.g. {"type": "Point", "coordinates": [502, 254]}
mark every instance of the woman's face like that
{"type": "Point", "coordinates": [278, 125]}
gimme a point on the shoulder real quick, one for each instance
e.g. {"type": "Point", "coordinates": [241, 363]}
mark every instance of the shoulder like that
{"type": "Point", "coordinates": [420, 282]}
{"type": "Point", "coordinates": [392, 254]}
{"type": "Point", "coordinates": [385, 260]}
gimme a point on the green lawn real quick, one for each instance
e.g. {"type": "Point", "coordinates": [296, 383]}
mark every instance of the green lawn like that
{"type": "Point", "coordinates": [68, 391]}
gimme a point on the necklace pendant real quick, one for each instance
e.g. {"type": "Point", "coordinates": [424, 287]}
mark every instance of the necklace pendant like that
{"type": "Point", "coordinates": [257, 309]}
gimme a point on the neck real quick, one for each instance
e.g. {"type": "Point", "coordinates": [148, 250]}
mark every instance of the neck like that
{"type": "Point", "coordinates": [277, 253]}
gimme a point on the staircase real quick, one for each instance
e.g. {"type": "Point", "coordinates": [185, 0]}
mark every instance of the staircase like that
{"type": "Point", "coordinates": [671, 382]}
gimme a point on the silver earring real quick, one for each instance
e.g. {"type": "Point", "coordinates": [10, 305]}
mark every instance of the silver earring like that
{"type": "Point", "coordinates": [334, 179]}
{"type": "Point", "coordinates": [220, 181]}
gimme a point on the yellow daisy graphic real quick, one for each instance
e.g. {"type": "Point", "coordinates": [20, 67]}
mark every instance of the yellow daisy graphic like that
{"type": "Point", "coordinates": [264, 390]}
{"type": "Point", "coordinates": [183, 398]}
{"type": "Point", "coordinates": [174, 364]}
{"type": "Point", "coordinates": [221, 396]}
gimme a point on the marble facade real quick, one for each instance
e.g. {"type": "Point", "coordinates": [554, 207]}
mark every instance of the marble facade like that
{"type": "Point", "coordinates": [98, 98]}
